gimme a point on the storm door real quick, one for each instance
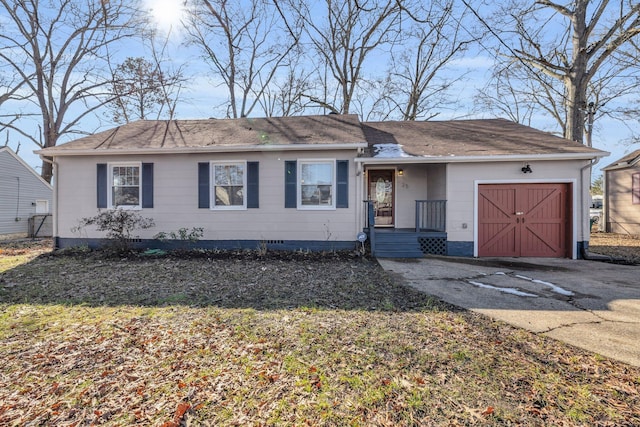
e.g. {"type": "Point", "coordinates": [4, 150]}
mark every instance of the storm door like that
{"type": "Point", "coordinates": [381, 191]}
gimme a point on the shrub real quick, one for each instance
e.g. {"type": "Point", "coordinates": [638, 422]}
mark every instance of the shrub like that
{"type": "Point", "coordinates": [119, 225]}
{"type": "Point", "coordinates": [182, 234]}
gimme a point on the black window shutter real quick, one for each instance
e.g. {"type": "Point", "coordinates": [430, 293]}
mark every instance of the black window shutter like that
{"type": "Point", "coordinates": [253, 185]}
{"type": "Point", "coordinates": [203, 185]}
{"type": "Point", "coordinates": [342, 178]}
{"type": "Point", "coordinates": [290, 184]}
{"type": "Point", "coordinates": [101, 185]}
{"type": "Point", "coordinates": [147, 185]}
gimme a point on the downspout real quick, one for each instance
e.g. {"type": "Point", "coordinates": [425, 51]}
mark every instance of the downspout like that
{"type": "Point", "coordinates": [55, 199]}
{"type": "Point", "coordinates": [584, 252]}
{"type": "Point", "coordinates": [359, 196]}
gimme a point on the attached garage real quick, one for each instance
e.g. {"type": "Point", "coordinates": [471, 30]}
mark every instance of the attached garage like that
{"type": "Point", "coordinates": [525, 220]}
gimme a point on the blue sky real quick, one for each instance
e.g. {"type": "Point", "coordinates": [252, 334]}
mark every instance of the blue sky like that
{"type": "Point", "coordinates": [202, 97]}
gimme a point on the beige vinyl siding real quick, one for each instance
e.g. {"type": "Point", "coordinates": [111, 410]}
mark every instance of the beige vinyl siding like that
{"type": "Point", "coordinates": [411, 186]}
{"type": "Point", "coordinates": [418, 182]}
{"type": "Point", "coordinates": [20, 188]}
{"type": "Point", "coordinates": [462, 178]}
{"type": "Point", "coordinates": [622, 215]}
{"type": "Point", "coordinates": [176, 199]}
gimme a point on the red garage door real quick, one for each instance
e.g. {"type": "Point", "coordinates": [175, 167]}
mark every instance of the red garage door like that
{"type": "Point", "coordinates": [524, 220]}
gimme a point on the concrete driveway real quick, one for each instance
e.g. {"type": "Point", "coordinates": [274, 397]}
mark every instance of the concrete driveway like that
{"type": "Point", "coordinates": [589, 304]}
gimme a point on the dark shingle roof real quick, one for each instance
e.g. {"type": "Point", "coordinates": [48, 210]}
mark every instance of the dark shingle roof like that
{"type": "Point", "coordinates": [428, 139]}
{"type": "Point", "coordinates": [486, 137]}
{"type": "Point", "coordinates": [151, 134]}
{"type": "Point", "coordinates": [626, 161]}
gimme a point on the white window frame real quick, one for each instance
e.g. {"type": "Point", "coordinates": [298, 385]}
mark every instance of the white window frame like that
{"type": "Point", "coordinates": [301, 163]}
{"type": "Point", "coordinates": [212, 185]}
{"type": "Point", "coordinates": [111, 166]}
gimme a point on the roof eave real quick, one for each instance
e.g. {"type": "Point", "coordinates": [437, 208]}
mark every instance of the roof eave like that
{"type": "Point", "coordinates": [625, 165]}
{"type": "Point", "coordinates": [192, 150]}
{"type": "Point", "coordinates": [486, 158]}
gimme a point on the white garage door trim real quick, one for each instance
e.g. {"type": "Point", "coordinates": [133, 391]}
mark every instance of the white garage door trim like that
{"type": "Point", "coordinates": [574, 197]}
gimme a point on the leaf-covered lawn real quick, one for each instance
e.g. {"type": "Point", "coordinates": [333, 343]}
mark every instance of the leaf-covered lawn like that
{"type": "Point", "coordinates": [249, 340]}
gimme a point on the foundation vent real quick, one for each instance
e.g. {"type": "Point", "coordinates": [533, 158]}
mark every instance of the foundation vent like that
{"type": "Point", "coordinates": [273, 242]}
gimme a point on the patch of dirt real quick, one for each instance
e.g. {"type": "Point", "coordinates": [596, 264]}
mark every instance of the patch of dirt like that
{"type": "Point", "coordinates": [22, 246]}
{"type": "Point", "coordinates": [621, 247]}
{"type": "Point", "coordinates": [243, 279]}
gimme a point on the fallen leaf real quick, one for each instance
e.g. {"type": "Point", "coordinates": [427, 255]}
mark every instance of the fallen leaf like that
{"type": "Point", "coordinates": [181, 409]}
{"type": "Point", "coordinates": [488, 411]}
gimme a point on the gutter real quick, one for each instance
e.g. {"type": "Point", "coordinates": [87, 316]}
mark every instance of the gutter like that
{"type": "Point", "coordinates": [477, 159]}
{"type": "Point", "coordinates": [194, 150]}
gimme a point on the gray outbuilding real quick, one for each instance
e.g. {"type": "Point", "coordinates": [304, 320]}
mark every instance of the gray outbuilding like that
{"type": "Point", "coordinates": [25, 198]}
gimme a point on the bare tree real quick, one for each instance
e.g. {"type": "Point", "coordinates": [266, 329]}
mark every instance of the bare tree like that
{"type": "Point", "coordinates": [343, 35]}
{"type": "Point", "coordinates": [245, 45]}
{"type": "Point", "coordinates": [9, 91]}
{"type": "Point", "coordinates": [630, 110]}
{"type": "Point", "coordinates": [141, 89]}
{"type": "Point", "coordinates": [418, 85]}
{"type": "Point", "coordinates": [285, 95]}
{"type": "Point", "coordinates": [59, 50]}
{"type": "Point", "coordinates": [137, 90]}
{"type": "Point", "coordinates": [513, 94]}
{"type": "Point", "coordinates": [575, 45]}
{"type": "Point", "coordinates": [172, 76]}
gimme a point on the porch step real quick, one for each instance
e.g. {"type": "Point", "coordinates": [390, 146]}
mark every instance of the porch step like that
{"type": "Point", "coordinates": [397, 245]}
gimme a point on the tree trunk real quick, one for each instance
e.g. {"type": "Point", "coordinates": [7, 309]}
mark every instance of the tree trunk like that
{"type": "Point", "coordinates": [47, 171]}
{"type": "Point", "coordinates": [575, 82]}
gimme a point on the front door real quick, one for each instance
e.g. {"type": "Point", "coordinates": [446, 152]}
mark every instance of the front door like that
{"type": "Point", "coordinates": [524, 220]}
{"type": "Point", "coordinates": [381, 189]}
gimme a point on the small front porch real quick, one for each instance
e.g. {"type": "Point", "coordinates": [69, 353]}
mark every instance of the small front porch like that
{"type": "Point", "coordinates": [427, 237]}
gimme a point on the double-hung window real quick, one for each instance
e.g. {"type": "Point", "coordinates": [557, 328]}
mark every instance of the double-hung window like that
{"type": "Point", "coordinates": [316, 184]}
{"type": "Point", "coordinates": [229, 181]}
{"type": "Point", "coordinates": [635, 188]}
{"type": "Point", "coordinates": [125, 186]}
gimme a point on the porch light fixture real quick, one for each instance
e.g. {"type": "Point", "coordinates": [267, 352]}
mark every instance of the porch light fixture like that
{"type": "Point", "coordinates": [400, 172]}
{"type": "Point", "coordinates": [526, 169]}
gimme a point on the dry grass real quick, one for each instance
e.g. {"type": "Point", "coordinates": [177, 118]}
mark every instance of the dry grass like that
{"type": "Point", "coordinates": [242, 339]}
{"type": "Point", "coordinates": [621, 247]}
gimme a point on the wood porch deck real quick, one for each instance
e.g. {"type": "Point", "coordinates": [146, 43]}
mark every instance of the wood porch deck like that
{"type": "Point", "coordinates": [427, 237]}
{"type": "Point", "coordinates": [406, 243]}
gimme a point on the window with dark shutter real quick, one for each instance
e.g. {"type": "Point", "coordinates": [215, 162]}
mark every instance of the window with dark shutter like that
{"type": "Point", "coordinates": [253, 185]}
{"type": "Point", "coordinates": [101, 185]}
{"type": "Point", "coordinates": [290, 184]}
{"type": "Point", "coordinates": [342, 183]}
{"type": "Point", "coordinates": [203, 185]}
{"type": "Point", "coordinates": [635, 188]}
{"type": "Point", "coordinates": [147, 185]}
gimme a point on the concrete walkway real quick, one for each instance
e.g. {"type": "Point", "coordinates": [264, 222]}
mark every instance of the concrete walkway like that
{"type": "Point", "coordinates": [589, 304]}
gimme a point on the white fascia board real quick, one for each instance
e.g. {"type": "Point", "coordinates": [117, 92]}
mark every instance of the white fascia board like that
{"type": "Point", "coordinates": [476, 159]}
{"type": "Point", "coordinates": [622, 165]}
{"type": "Point", "coordinates": [192, 150]}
